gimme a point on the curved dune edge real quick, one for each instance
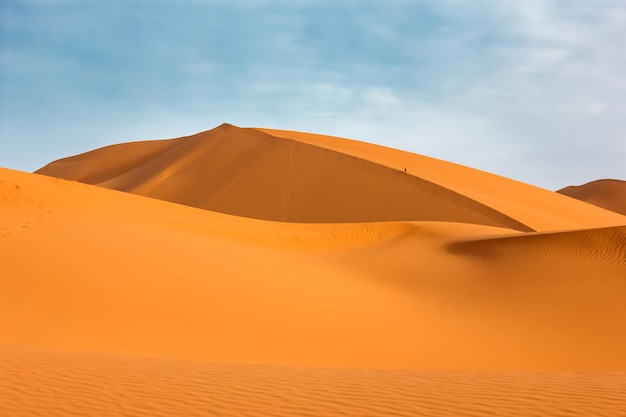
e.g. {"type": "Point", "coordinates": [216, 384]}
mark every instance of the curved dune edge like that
{"type": "Point", "coordinates": [95, 270]}
{"type": "Point", "coordinates": [299, 177]}
{"type": "Point", "coordinates": [41, 383]}
{"type": "Point", "coordinates": [536, 208]}
{"type": "Point", "coordinates": [247, 173]}
{"type": "Point", "coordinates": [609, 194]}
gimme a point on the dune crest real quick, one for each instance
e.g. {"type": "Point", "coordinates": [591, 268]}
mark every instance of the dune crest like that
{"type": "Point", "coordinates": [536, 208]}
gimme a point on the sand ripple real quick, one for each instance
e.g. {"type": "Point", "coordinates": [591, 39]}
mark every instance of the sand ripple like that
{"type": "Point", "coordinates": [60, 384]}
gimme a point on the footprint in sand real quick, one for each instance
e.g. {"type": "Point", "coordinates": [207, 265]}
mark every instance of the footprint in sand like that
{"type": "Point", "coordinates": [20, 211]}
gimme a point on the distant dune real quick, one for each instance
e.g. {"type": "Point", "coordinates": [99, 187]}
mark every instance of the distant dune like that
{"type": "Point", "coordinates": [298, 177]}
{"type": "Point", "coordinates": [608, 194]}
{"type": "Point", "coordinates": [449, 291]}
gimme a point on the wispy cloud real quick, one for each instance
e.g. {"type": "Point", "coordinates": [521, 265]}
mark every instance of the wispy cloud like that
{"type": "Point", "coordinates": [533, 90]}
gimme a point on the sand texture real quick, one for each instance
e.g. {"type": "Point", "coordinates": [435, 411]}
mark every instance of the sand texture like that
{"type": "Point", "coordinates": [608, 194]}
{"type": "Point", "coordinates": [245, 287]}
{"type": "Point", "coordinates": [51, 384]}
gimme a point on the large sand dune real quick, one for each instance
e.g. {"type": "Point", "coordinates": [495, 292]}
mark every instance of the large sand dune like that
{"type": "Point", "coordinates": [112, 303]}
{"type": "Point", "coordinates": [608, 194]}
{"type": "Point", "coordinates": [299, 177]}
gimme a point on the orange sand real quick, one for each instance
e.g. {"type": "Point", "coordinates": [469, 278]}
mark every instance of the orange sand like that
{"type": "Point", "coordinates": [117, 304]}
{"type": "Point", "coordinates": [608, 194]}
{"type": "Point", "coordinates": [36, 384]}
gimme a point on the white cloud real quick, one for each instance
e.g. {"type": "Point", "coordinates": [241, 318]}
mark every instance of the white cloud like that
{"type": "Point", "coordinates": [381, 97]}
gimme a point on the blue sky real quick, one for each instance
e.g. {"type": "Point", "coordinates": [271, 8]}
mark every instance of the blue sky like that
{"type": "Point", "coordinates": [534, 90]}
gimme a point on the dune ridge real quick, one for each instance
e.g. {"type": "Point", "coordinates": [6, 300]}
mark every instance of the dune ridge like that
{"type": "Point", "coordinates": [589, 245]}
{"type": "Point", "coordinates": [606, 193]}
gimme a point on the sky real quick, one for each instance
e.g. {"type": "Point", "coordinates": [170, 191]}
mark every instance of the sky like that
{"type": "Point", "coordinates": [534, 90]}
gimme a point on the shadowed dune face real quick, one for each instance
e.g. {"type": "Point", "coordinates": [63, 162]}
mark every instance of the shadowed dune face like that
{"type": "Point", "coordinates": [536, 208]}
{"type": "Point", "coordinates": [273, 175]}
{"type": "Point", "coordinates": [608, 194]}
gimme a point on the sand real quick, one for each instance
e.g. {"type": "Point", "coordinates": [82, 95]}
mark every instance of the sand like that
{"type": "Point", "coordinates": [112, 303]}
{"type": "Point", "coordinates": [129, 386]}
{"type": "Point", "coordinates": [608, 194]}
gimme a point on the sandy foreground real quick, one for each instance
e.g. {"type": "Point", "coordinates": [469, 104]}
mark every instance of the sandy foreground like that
{"type": "Point", "coordinates": [43, 383]}
{"type": "Point", "coordinates": [506, 300]}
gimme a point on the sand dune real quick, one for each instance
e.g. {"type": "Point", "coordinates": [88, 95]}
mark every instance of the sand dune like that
{"type": "Point", "coordinates": [608, 194]}
{"type": "Point", "coordinates": [160, 279]}
{"type": "Point", "coordinates": [370, 291]}
{"type": "Point", "coordinates": [536, 208]}
{"type": "Point", "coordinates": [298, 177]}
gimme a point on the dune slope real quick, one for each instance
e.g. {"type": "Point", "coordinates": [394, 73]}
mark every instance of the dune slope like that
{"type": "Point", "coordinates": [608, 194]}
{"type": "Point", "coordinates": [536, 208]}
{"type": "Point", "coordinates": [297, 177]}
{"type": "Point", "coordinates": [87, 268]}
